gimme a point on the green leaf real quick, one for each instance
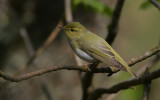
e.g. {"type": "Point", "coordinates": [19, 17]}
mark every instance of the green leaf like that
{"type": "Point", "coordinates": [147, 4]}
{"type": "Point", "coordinates": [94, 5]}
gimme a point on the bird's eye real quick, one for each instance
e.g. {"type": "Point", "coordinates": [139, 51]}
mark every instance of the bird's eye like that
{"type": "Point", "coordinates": [72, 30]}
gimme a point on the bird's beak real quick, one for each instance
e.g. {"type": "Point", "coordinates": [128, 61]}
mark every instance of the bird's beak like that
{"type": "Point", "coordinates": [61, 27]}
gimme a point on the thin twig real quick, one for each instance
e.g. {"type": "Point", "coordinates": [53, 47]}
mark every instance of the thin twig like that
{"type": "Point", "coordinates": [39, 72]}
{"type": "Point", "coordinates": [23, 32]}
{"type": "Point", "coordinates": [74, 67]}
{"type": "Point", "coordinates": [140, 72]}
{"type": "Point", "coordinates": [48, 41]}
{"type": "Point", "coordinates": [147, 86]}
{"type": "Point", "coordinates": [113, 26]}
{"type": "Point", "coordinates": [149, 64]}
{"type": "Point", "coordinates": [87, 81]}
{"type": "Point", "coordinates": [142, 57]}
{"type": "Point", "coordinates": [43, 84]}
{"type": "Point", "coordinates": [27, 41]}
{"type": "Point", "coordinates": [132, 62]}
{"type": "Point", "coordinates": [68, 11]}
{"type": "Point", "coordinates": [124, 85]}
{"type": "Point", "coordinates": [155, 3]}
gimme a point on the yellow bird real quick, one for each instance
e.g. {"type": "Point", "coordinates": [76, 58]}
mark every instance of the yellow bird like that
{"type": "Point", "coordinates": [92, 48]}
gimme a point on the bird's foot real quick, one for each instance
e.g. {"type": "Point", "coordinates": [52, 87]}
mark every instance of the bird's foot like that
{"type": "Point", "coordinates": [110, 71]}
{"type": "Point", "coordinates": [85, 65]}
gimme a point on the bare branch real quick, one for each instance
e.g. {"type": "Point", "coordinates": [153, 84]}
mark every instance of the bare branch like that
{"type": "Point", "coordinates": [140, 72]}
{"type": "Point", "coordinates": [113, 26]}
{"type": "Point", "coordinates": [68, 11]}
{"type": "Point", "coordinates": [136, 60]}
{"type": "Point", "coordinates": [155, 3]}
{"type": "Point", "coordinates": [87, 81]}
{"type": "Point", "coordinates": [124, 85]}
{"type": "Point", "coordinates": [40, 72]}
{"type": "Point", "coordinates": [27, 41]}
{"type": "Point", "coordinates": [49, 40]}
{"type": "Point", "coordinates": [147, 86]}
{"type": "Point", "coordinates": [143, 56]}
{"type": "Point", "coordinates": [140, 58]}
{"type": "Point", "coordinates": [23, 32]}
{"type": "Point", "coordinates": [74, 67]}
{"type": "Point", "coordinates": [149, 65]}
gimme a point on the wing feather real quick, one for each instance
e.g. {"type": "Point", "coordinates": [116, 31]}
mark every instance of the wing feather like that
{"type": "Point", "coordinates": [103, 53]}
{"type": "Point", "coordinates": [99, 49]}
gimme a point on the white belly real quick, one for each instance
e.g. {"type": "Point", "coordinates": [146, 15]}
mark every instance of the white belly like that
{"type": "Point", "coordinates": [85, 56]}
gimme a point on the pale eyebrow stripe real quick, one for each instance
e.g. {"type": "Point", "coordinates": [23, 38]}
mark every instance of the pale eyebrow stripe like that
{"type": "Point", "coordinates": [73, 28]}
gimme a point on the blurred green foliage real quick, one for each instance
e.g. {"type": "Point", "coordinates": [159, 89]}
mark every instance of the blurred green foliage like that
{"type": "Point", "coordinates": [94, 5]}
{"type": "Point", "coordinates": [147, 4]}
{"type": "Point", "coordinates": [132, 94]}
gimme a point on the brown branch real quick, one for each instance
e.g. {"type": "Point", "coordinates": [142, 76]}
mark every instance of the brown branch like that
{"type": "Point", "coordinates": [144, 56]}
{"type": "Point", "coordinates": [124, 85]}
{"type": "Point", "coordinates": [74, 67]}
{"type": "Point", "coordinates": [155, 3]}
{"type": "Point", "coordinates": [40, 72]}
{"type": "Point", "coordinates": [140, 58]}
{"type": "Point", "coordinates": [132, 62]}
{"type": "Point", "coordinates": [113, 26]}
{"type": "Point", "coordinates": [49, 40]}
{"type": "Point", "coordinates": [27, 41]}
{"type": "Point", "coordinates": [23, 32]}
{"type": "Point", "coordinates": [140, 72]}
{"type": "Point", "coordinates": [68, 11]}
{"type": "Point", "coordinates": [87, 81]}
{"type": "Point", "coordinates": [149, 65]}
{"type": "Point", "coordinates": [147, 86]}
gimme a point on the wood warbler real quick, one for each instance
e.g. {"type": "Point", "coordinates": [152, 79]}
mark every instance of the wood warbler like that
{"type": "Point", "coordinates": [92, 48]}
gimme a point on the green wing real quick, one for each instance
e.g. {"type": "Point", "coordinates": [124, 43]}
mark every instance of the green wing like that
{"type": "Point", "coordinates": [102, 51]}
{"type": "Point", "coordinates": [99, 49]}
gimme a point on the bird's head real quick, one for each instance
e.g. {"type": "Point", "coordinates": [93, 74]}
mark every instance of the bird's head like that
{"type": "Point", "coordinates": [74, 30]}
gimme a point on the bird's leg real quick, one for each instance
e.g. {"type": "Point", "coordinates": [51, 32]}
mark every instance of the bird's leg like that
{"type": "Point", "coordinates": [112, 70]}
{"type": "Point", "coordinates": [86, 66]}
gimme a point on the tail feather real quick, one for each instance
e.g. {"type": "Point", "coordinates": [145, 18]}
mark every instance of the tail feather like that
{"type": "Point", "coordinates": [124, 65]}
{"type": "Point", "coordinates": [131, 72]}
